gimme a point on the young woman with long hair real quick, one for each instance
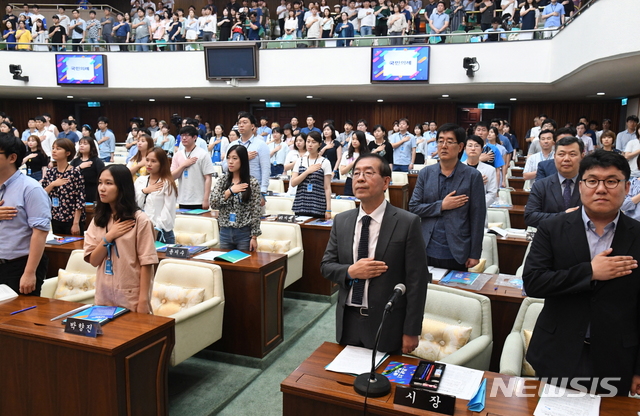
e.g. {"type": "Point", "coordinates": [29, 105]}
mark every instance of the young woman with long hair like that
{"type": "Point", "coordinates": [88, 162]}
{"type": "Point", "coordinates": [119, 242]}
{"type": "Point", "coordinates": [157, 193]}
{"type": "Point", "coordinates": [237, 197]}
{"type": "Point", "coordinates": [381, 144]}
{"type": "Point", "coordinates": [357, 148]}
{"type": "Point", "coordinates": [421, 144]}
{"type": "Point", "coordinates": [138, 163]}
{"type": "Point", "coordinates": [299, 150]}
{"type": "Point", "coordinates": [331, 148]}
{"type": "Point", "coordinates": [313, 175]}
{"type": "Point", "coordinates": [36, 159]}
{"type": "Point", "coordinates": [65, 186]}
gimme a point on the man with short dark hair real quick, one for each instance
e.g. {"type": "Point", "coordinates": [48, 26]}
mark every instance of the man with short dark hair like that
{"type": "Point", "coordinates": [629, 134]}
{"type": "Point", "coordinates": [25, 220]}
{"type": "Point", "coordinates": [584, 264]}
{"type": "Point", "coordinates": [439, 21]}
{"type": "Point", "coordinates": [107, 25]}
{"type": "Point", "coordinates": [66, 132]}
{"type": "Point", "coordinates": [105, 139]}
{"type": "Point", "coordinates": [449, 197]}
{"type": "Point", "coordinates": [78, 28]}
{"type": "Point", "coordinates": [548, 167]}
{"type": "Point", "coordinates": [141, 25]}
{"type": "Point", "coordinates": [557, 194]}
{"type": "Point", "coordinates": [404, 147]}
{"type": "Point", "coordinates": [581, 130]}
{"type": "Point", "coordinates": [191, 166]}
{"type": "Point", "coordinates": [57, 35]}
{"type": "Point", "coordinates": [311, 121]}
{"type": "Point", "coordinates": [10, 17]}
{"type": "Point", "coordinates": [371, 249]}
{"type": "Point", "coordinates": [46, 137]}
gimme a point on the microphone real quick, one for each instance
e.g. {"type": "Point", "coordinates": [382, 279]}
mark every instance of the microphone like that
{"type": "Point", "coordinates": [398, 292]}
{"type": "Point", "coordinates": [374, 384]}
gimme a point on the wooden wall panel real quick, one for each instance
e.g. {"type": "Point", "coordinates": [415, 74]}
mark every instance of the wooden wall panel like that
{"type": "Point", "coordinates": [119, 112]}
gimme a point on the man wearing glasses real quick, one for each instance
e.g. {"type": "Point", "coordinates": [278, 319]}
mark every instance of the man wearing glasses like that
{"type": "Point", "coordinates": [371, 249]}
{"type": "Point", "coordinates": [557, 194]}
{"type": "Point", "coordinates": [450, 199]}
{"type": "Point", "coordinates": [584, 265]}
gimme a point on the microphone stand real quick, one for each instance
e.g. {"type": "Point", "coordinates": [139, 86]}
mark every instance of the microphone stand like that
{"type": "Point", "coordinates": [373, 384]}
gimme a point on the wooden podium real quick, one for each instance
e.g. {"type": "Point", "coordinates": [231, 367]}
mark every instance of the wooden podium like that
{"type": "Point", "coordinates": [46, 371]}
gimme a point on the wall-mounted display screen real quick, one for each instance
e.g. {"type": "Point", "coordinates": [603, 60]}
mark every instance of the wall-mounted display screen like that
{"type": "Point", "coordinates": [81, 69]}
{"type": "Point", "coordinates": [226, 61]}
{"type": "Point", "coordinates": [400, 63]}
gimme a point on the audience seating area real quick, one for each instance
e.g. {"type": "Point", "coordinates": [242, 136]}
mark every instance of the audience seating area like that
{"type": "Point", "coordinates": [75, 283]}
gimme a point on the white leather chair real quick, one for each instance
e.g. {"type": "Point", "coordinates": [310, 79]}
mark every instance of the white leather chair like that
{"type": "Point", "coordinates": [399, 178]}
{"type": "Point", "coordinates": [82, 293]}
{"type": "Point", "coordinates": [419, 167]}
{"type": "Point", "coordinates": [193, 226]}
{"type": "Point", "coordinates": [431, 161]}
{"type": "Point", "coordinates": [459, 308]}
{"type": "Point", "coordinates": [278, 205]}
{"type": "Point", "coordinates": [520, 269]}
{"type": "Point", "coordinates": [197, 326]}
{"type": "Point", "coordinates": [341, 205]}
{"type": "Point", "coordinates": [527, 185]}
{"type": "Point", "coordinates": [276, 185]}
{"type": "Point", "coordinates": [489, 254]}
{"type": "Point", "coordinates": [512, 361]}
{"type": "Point", "coordinates": [273, 240]}
{"type": "Point", "coordinates": [505, 195]}
{"type": "Point", "coordinates": [119, 159]}
{"type": "Point", "coordinates": [499, 215]}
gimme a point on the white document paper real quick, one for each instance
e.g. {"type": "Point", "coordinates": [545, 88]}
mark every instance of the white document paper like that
{"type": "Point", "coordinates": [557, 401]}
{"type": "Point", "coordinates": [355, 360]}
{"type": "Point", "coordinates": [460, 381]}
{"type": "Point", "coordinates": [209, 255]}
{"type": "Point", "coordinates": [437, 274]}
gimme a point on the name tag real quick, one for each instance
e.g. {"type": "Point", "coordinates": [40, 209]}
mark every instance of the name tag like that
{"type": "Point", "coordinates": [185, 173]}
{"type": "Point", "coordinates": [178, 252]}
{"type": "Point", "coordinates": [425, 400]}
{"type": "Point", "coordinates": [309, 187]}
{"type": "Point", "coordinates": [83, 327]}
{"type": "Point", "coordinates": [55, 202]}
{"type": "Point", "coordinates": [108, 267]}
{"type": "Point", "coordinates": [232, 218]}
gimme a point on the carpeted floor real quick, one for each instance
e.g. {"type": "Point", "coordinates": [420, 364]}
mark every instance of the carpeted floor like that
{"type": "Point", "coordinates": [213, 383]}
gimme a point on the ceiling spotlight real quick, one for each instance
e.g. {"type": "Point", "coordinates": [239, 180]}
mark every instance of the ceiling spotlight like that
{"type": "Point", "coordinates": [16, 70]}
{"type": "Point", "coordinates": [445, 95]}
{"type": "Point", "coordinates": [187, 96]}
{"type": "Point", "coordinates": [262, 100]}
{"type": "Point", "coordinates": [471, 65]}
{"type": "Point", "coordinates": [69, 96]}
{"type": "Point", "coordinates": [600, 93]}
{"type": "Point", "coordinates": [152, 99]}
{"type": "Point", "coordinates": [38, 98]}
{"type": "Point", "coordinates": [309, 96]}
{"type": "Point", "coordinates": [380, 100]}
{"type": "Point", "coordinates": [513, 99]}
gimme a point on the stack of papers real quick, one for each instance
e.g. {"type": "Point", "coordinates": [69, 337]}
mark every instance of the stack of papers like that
{"type": "Point", "coordinates": [557, 401]}
{"type": "Point", "coordinates": [355, 360]}
{"type": "Point", "coordinates": [460, 381]}
{"type": "Point", "coordinates": [437, 273]}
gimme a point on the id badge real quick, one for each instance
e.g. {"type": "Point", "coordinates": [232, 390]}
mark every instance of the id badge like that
{"type": "Point", "coordinates": [186, 173]}
{"type": "Point", "coordinates": [108, 267]}
{"type": "Point", "coordinates": [55, 202]}
{"type": "Point", "coordinates": [309, 187]}
{"type": "Point", "coordinates": [29, 171]}
{"type": "Point", "coordinates": [232, 217]}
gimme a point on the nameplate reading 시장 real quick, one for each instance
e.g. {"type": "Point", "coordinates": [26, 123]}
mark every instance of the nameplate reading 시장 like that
{"type": "Point", "coordinates": [425, 400]}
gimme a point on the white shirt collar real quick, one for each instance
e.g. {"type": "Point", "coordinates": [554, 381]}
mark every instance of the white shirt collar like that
{"type": "Point", "coordinates": [377, 213]}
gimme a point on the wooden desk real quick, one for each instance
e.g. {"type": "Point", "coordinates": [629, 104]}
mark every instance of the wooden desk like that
{"type": "Point", "coordinates": [253, 291]}
{"type": "Point", "coordinates": [505, 304]}
{"type": "Point", "coordinates": [314, 241]}
{"type": "Point", "coordinates": [519, 197]}
{"type": "Point", "coordinates": [50, 372]}
{"type": "Point", "coordinates": [516, 183]}
{"type": "Point", "coordinates": [511, 253]}
{"type": "Point", "coordinates": [521, 162]}
{"type": "Point", "coordinates": [516, 215]}
{"type": "Point", "coordinates": [311, 390]}
{"type": "Point", "coordinates": [398, 194]}
{"type": "Point", "coordinates": [413, 179]}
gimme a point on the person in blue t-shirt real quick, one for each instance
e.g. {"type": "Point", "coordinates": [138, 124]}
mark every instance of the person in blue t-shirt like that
{"type": "Point", "coordinates": [490, 154]}
{"type": "Point", "coordinates": [253, 29]}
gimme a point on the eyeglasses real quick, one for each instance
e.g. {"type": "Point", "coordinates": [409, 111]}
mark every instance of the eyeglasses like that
{"type": "Point", "coordinates": [610, 183]}
{"type": "Point", "coordinates": [368, 174]}
{"type": "Point", "coordinates": [448, 142]}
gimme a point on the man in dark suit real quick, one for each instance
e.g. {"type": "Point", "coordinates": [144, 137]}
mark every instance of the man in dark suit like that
{"type": "Point", "coordinates": [548, 167]}
{"type": "Point", "coordinates": [583, 264]}
{"type": "Point", "coordinates": [558, 193]}
{"type": "Point", "coordinates": [371, 249]}
{"type": "Point", "coordinates": [449, 198]}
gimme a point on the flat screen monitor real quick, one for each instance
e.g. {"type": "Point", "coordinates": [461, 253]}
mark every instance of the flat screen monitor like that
{"type": "Point", "coordinates": [81, 69]}
{"type": "Point", "coordinates": [400, 64]}
{"type": "Point", "coordinates": [228, 62]}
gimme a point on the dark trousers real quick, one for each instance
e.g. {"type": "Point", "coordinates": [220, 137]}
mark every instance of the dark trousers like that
{"type": "Point", "coordinates": [449, 264]}
{"type": "Point", "coordinates": [348, 187]}
{"type": "Point", "coordinates": [277, 170]}
{"type": "Point", "coordinates": [182, 206]}
{"type": "Point", "coordinates": [76, 45]}
{"type": "Point", "coordinates": [59, 227]}
{"type": "Point", "coordinates": [11, 272]}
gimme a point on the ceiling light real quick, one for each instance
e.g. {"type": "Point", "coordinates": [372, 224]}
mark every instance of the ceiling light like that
{"type": "Point", "coordinates": [187, 96]}
{"type": "Point", "coordinates": [38, 98]}
{"type": "Point", "coordinates": [600, 93]}
{"type": "Point", "coordinates": [380, 100]}
{"type": "Point", "coordinates": [309, 96]}
{"type": "Point", "coordinates": [152, 99]}
{"type": "Point", "coordinates": [445, 95]}
{"type": "Point", "coordinates": [513, 99]}
{"type": "Point", "coordinates": [69, 96]}
{"type": "Point", "coordinates": [262, 100]}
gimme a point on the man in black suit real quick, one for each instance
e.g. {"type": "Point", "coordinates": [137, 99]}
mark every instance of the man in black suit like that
{"type": "Point", "coordinates": [548, 167]}
{"type": "Point", "coordinates": [558, 193]}
{"type": "Point", "coordinates": [367, 269]}
{"type": "Point", "coordinates": [583, 264]}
